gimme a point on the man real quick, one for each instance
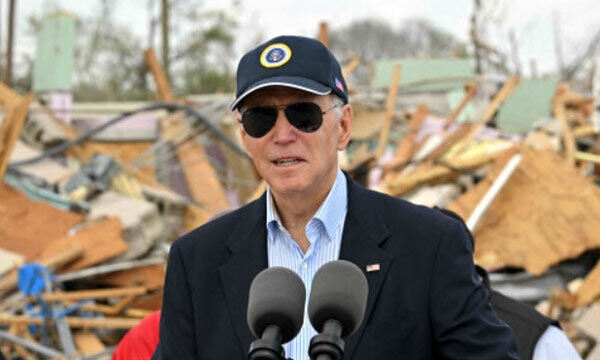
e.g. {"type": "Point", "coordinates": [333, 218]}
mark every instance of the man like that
{"type": "Point", "coordinates": [425, 300]}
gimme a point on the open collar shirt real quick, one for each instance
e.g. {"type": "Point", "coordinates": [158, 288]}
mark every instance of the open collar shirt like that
{"type": "Point", "coordinates": [324, 232]}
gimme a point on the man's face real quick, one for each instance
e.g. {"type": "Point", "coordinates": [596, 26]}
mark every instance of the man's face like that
{"type": "Point", "coordinates": [292, 162]}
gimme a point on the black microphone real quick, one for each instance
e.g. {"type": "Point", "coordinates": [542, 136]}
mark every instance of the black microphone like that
{"type": "Point", "coordinates": [275, 311]}
{"type": "Point", "coordinates": [336, 307]}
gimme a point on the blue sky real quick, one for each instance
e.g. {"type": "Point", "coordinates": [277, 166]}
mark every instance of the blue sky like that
{"type": "Point", "coordinates": [532, 21]}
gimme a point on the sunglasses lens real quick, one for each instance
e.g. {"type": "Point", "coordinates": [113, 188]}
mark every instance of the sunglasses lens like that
{"type": "Point", "coordinates": [258, 121]}
{"type": "Point", "coordinates": [305, 116]}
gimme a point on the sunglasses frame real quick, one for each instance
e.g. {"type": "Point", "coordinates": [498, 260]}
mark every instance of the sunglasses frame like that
{"type": "Point", "coordinates": [287, 108]}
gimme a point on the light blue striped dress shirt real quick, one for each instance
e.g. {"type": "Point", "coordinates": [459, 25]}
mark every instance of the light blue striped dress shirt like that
{"type": "Point", "coordinates": [324, 231]}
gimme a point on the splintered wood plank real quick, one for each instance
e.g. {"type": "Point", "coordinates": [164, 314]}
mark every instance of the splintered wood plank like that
{"type": "Point", "coordinates": [201, 177]}
{"type": "Point", "coordinates": [590, 288]}
{"type": "Point", "coordinates": [10, 129]}
{"type": "Point", "coordinates": [27, 226]}
{"type": "Point", "coordinates": [470, 90]}
{"type": "Point", "coordinates": [546, 212]}
{"type": "Point", "coordinates": [559, 108]}
{"type": "Point", "coordinates": [366, 121]}
{"type": "Point", "coordinates": [100, 240]}
{"type": "Point", "coordinates": [9, 281]}
{"type": "Point", "coordinates": [163, 89]}
{"type": "Point", "coordinates": [390, 108]}
{"type": "Point", "coordinates": [78, 295]}
{"type": "Point", "coordinates": [349, 68]}
{"type": "Point", "coordinates": [407, 146]}
{"type": "Point", "coordinates": [87, 342]}
{"type": "Point", "coordinates": [151, 277]}
{"type": "Point", "coordinates": [8, 97]}
{"type": "Point", "coordinates": [74, 322]}
{"type": "Point", "coordinates": [424, 173]}
{"type": "Point", "coordinates": [9, 261]}
{"type": "Point", "coordinates": [149, 302]}
{"type": "Point", "coordinates": [509, 86]}
{"type": "Point", "coordinates": [324, 33]}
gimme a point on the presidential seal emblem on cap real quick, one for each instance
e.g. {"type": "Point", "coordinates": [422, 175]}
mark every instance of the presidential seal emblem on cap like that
{"type": "Point", "coordinates": [275, 55]}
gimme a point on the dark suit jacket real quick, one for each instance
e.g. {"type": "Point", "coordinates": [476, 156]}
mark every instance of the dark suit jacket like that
{"type": "Point", "coordinates": [425, 302]}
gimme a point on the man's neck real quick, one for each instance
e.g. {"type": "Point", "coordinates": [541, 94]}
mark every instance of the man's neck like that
{"type": "Point", "coordinates": [296, 211]}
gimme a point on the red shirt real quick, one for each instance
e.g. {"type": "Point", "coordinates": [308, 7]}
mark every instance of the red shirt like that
{"type": "Point", "coordinates": [140, 341]}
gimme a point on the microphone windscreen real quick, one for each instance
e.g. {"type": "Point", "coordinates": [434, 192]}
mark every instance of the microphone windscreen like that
{"type": "Point", "coordinates": [339, 291]}
{"type": "Point", "coordinates": [277, 297]}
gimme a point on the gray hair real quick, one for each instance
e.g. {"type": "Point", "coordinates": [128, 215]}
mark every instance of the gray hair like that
{"type": "Point", "coordinates": [338, 103]}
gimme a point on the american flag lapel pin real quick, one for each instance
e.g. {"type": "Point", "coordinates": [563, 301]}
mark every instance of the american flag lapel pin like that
{"type": "Point", "coordinates": [373, 268]}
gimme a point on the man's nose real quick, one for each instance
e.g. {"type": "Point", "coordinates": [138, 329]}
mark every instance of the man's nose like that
{"type": "Point", "coordinates": [283, 129]}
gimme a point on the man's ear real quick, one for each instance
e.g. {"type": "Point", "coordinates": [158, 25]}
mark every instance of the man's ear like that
{"type": "Point", "coordinates": [345, 124]}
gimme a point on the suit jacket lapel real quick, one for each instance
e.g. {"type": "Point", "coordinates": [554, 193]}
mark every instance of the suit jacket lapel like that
{"type": "Point", "coordinates": [248, 247]}
{"type": "Point", "coordinates": [363, 235]}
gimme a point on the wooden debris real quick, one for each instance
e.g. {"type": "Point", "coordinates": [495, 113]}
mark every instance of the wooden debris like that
{"type": "Point", "coordinates": [559, 205]}
{"type": "Point", "coordinates": [100, 240]}
{"type": "Point", "coordinates": [10, 128]}
{"type": "Point", "coordinates": [559, 108]}
{"type": "Point", "coordinates": [163, 89]}
{"type": "Point", "coordinates": [75, 322]}
{"type": "Point", "coordinates": [366, 121]}
{"type": "Point", "coordinates": [8, 97]}
{"type": "Point", "coordinates": [58, 261]}
{"type": "Point", "coordinates": [78, 295]}
{"type": "Point", "coordinates": [390, 108]}
{"type": "Point", "coordinates": [407, 147]}
{"type": "Point", "coordinates": [589, 290]}
{"type": "Point", "coordinates": [87, 342]}
{"type": "Point", "coordinates": [471, 89]}
{"type": "Point", "coordinates": [491, 109]}
{"type": "Point", "coordinates": [202, 181]}
{"type": "Point", "coordinates": [151, 277]}
{"type": "Point", "coordinates": [9, 261]}
{"type": "Point", "coordinates": [324, 33]}
{"type": "Point", "coordinates": [23, 222]}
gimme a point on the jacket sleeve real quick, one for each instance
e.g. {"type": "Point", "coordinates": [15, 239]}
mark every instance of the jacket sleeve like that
{"type": "Point", "coordinates": [465, 325]}
{"type": "Point", "coordinates": [177, 336]}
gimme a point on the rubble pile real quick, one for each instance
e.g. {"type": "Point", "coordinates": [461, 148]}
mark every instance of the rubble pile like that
{"type": "Point", "coordinates": [88, 208]}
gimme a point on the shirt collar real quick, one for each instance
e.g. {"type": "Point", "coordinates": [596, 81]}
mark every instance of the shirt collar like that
{"type": "Point", "coordinates": [330, 213]}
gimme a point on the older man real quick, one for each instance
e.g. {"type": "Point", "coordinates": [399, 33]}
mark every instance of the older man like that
{"type": "Point", "coordinates": [425, 299]}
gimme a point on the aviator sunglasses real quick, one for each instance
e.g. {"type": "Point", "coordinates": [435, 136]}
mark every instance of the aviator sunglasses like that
{"type": "Point", "coordinates": [304, 116]}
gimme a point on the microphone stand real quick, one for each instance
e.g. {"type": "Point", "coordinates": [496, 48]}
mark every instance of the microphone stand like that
{"type": "Point", "coordinates": [268, 347]}
{"type": "Point", "coordinates": [328, 345]}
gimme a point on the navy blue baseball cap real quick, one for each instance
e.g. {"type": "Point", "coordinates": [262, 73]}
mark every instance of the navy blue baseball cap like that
{"type": "Point", "coordinates": [292, 61]}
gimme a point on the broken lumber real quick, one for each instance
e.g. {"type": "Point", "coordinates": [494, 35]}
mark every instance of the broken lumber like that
{"type": "Point", "coordinates": [163, 89]}
{"type": "Point", "coordinates": [470, 90]}
{"type": "Point", "coordinates": [390, 107]}
{"type": "Point", "coordinates": [201, 178]}
{"type": "Point", "coordinates": [407, 146]}
{"type": "Point", "coordinates": [10, 129]}
{"type": "Point", "coordinates": [509, 86]}
{"type": "Point", "coordinates": [78, 295]}
{"type": "Point", "coordinates": [74, 322]}
{"type": "Point", "coordinates": [560, 114]}
{"type": "Point", "coordinates": [560, 206]}
{"type": "Point", "coordinates": [57, 261]}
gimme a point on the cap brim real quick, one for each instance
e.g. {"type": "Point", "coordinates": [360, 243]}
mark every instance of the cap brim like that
{"type": "Point", "coordinates": [299, 83]}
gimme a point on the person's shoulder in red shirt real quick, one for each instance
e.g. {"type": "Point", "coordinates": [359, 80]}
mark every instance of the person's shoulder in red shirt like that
{"type": "Point", "coordinates": [140, 341]}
